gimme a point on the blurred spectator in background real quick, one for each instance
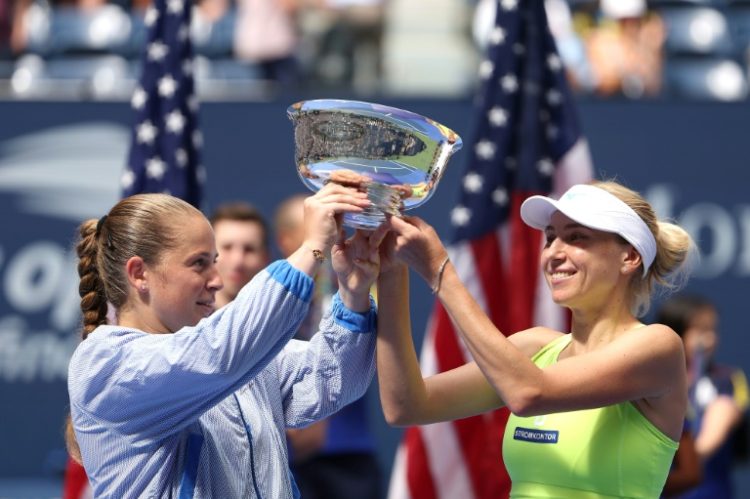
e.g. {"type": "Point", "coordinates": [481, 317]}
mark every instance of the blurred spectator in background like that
{"type": "Point", "coordinates": [625, 49]}
{"type": "Point", "coordinates": [12, 28]}
{"type": "Point", "coordinates": [266, 34]}
{"type": "Point", "coordinates": [345, 38]}
{"type": "Point", "coordinates": [333, 458]}
{"type": "Point", "coordinates": [241, 235]}
{"type": "Point", "coordinates": [82, 5]}
{"type": "Point", "coordinates": [718, 394]}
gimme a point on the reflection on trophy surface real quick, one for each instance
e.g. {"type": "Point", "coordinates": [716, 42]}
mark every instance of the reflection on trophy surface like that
{"type": "Point", "coordinates": [396, 156]}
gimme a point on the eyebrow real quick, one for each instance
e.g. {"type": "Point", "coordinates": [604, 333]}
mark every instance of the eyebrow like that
{"type": "Point", "coordinates": [206, 254]}
{"type": "Point", "coordinates": [571, 225]}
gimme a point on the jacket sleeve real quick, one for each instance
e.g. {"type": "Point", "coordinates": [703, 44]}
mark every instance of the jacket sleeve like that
{"type": "Point", "coordinates": [153, 385]}
{"type": "Point", "coordinates": [320, 376]}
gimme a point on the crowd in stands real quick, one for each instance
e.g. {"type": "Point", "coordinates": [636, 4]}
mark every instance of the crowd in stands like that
{"type": "Point", "coordinates": [631, 48]}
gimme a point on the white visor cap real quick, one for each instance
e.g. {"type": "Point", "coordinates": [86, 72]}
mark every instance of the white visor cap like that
{"type": "Point", "coordinates": [596, 209]}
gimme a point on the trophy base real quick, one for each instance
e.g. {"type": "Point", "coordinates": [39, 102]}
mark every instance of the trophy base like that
{"type": "Point", "coordinates": [384, 199]}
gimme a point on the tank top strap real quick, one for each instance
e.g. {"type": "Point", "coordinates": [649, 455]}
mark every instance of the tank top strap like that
{"type": "Point", "coordinates": [549, 352]}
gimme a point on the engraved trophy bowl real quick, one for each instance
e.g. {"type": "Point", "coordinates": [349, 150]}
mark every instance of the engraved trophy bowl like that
{"type": "Point", "coordinates": [396, 156]}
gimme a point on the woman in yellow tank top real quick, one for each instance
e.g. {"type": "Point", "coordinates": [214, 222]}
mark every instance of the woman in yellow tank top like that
{"type": "Point", "coordinates": [594, 413]}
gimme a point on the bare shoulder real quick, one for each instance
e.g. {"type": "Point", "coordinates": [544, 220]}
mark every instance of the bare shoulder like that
{"type": "Point", "coordinates": [530, 341]}
{"type": "Point", "coordinates": [656, 345]}
{"type": "Point", "coordinates": [656, 337]}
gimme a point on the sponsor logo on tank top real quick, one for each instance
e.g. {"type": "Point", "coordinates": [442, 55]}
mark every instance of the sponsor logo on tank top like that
{"type": "Point", "coordinates": [536, 436]}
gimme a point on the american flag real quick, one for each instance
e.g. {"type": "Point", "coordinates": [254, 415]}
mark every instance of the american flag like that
{"type": "Point", "coordinates": [166, 142]}
{"type": "Point", "coordinates": [527, 141]}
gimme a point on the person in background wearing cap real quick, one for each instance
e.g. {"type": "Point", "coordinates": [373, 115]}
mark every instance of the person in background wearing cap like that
{"type": "Point", "coordinates": [594, 413]}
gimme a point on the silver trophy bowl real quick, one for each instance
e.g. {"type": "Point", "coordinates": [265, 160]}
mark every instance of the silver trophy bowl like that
{"type": "Point", "coordinates": [396, 156]}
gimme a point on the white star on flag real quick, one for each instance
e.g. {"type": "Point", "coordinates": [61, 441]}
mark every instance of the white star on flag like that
{"type": "Point", "coordinates": [500, 196]}
{"type": "Point", "coordinates": [200, 173]}
{"type": "Point", "coordinates": [181, 157]}
{"type": "Point", "coordinates": [554, 62]}
{"type": "Point", "coordinates": [546, 167]}
{"type": "Point", "coordinates": [167, 86]}
{"type": "Point", "coordinates": [552, 132]}
{"type": "Point", "coordinates": [155, 168]}
{"type": "Point", "coordinates": [497, 35]}
{"type": "Point", "coordinates": [518, 49]}
{"type": "Point", "coordinates": [151, 16]}
{"type": "Point", "coordinates": [175, 121]}
{"type": "Point", "coordinates": [497, 116]}
{"type": "Point", "coordinates": [157, 51]}
{"type": "Point", "coordinates": [511, 163]}
{"type": "Point", "coordinates": [460, 216]}
{"type": "Point", "coordinates": [139, 98]}
{"type": "Point", "coordinates": [197, 139]}
{"type": "Point", "coordinates": [127, 178]}
{"type": "Point", "coordinates": [554, 97]}
{"type": "Point", "coordinates": [485, 69]}
{"type": "Point", "coordinates": [473, 182]}
{"type": "Point", "coordinates": [146, 133]}
{"type": "Point", "coordinates": [509, 4]}
{"type": "Point", "coordinates": [485, 149]}
{"type": "Point", "coordinates": [509, 83]}
{"type": "Point", "coordinates": [192, 103]}
{"type": "Point", "coordinates": [175, 6]}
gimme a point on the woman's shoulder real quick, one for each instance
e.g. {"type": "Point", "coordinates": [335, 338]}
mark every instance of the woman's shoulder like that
{"type": "Point", "coordinates": [655, 336]}
{"type": "Point", "coordinates": [531, 341]}
{"type": "Point", "coordinates": [652, 346]}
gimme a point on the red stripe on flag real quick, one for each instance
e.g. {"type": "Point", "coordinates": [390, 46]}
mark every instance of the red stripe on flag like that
{"type": "Point", "coordinates": [524, 268]}
{"type": "Point", "coordinates": [480, 445]}
{"type": "Point", "coordinates": [447, 348]}
{"type": "Point", "coordinates": [489, 269]}
{"type": "Point", "coordinates": [418, 475]}
{"type": "Point", "coordinates": [76, 483]}
{"type": "Point", "coordinates": [499, 420]}
{"type": "Point", "coordinates": [500, 294]}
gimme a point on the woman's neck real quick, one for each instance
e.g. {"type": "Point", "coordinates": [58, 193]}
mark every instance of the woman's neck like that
{"type": "Point", "coordinates": [593, 329]}
{"type": "Point", "coordinates": [142, 320]}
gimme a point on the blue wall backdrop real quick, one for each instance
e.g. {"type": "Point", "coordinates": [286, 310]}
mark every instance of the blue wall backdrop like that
{"type": "Point", "coordinates": [60, 163]}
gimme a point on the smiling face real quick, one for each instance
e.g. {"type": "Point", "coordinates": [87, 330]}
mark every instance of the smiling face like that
{"type": "Point", "coordinates": [182, 285]}
{"type": "Point", "coordinates": [242, 254]}
{"type": "Point", "coordinates": [583, 267]}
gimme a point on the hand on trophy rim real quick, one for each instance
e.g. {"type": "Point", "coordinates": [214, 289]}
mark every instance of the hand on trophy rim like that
{"type": "Point", "coordinates": [324, 211]}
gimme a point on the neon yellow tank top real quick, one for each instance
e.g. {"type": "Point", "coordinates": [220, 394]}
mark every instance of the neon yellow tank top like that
{"type": "Point", "coordinates": [611, 451]}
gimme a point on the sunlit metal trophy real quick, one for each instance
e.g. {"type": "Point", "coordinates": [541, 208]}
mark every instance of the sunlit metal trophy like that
{"type": "Point", "coordinates": [396, 156]}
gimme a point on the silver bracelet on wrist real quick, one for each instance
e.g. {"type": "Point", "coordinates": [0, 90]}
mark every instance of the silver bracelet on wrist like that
{"type": "Point", "coordinates": [439, 278]}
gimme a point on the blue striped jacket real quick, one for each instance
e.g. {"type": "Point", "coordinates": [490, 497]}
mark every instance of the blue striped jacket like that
{"type": "Point", "coordinates": [202, 412]}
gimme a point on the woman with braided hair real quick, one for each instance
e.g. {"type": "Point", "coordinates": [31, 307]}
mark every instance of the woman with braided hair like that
{"type": "Point", "coordinates": [180, 400]}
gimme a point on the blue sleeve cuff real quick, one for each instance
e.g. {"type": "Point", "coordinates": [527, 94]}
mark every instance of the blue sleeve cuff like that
{"type": "Point", "coordinates": [296, 282]}
{"type": "Point", "coordinates": [354, 321]}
